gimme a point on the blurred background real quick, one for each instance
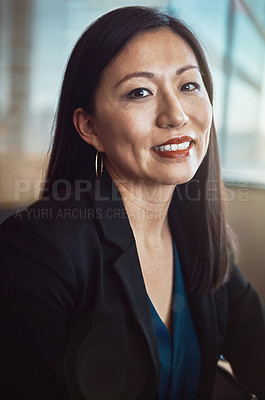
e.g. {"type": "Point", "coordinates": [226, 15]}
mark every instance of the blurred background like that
{"type": "Point", "coordinates": [36, 37]}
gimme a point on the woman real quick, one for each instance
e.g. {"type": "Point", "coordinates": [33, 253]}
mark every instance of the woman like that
{"type": "Point", "coordinates": [119, 283]}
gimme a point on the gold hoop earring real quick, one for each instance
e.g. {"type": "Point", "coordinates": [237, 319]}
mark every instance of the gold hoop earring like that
{"type": "Point", "coordinates": [101, 165]}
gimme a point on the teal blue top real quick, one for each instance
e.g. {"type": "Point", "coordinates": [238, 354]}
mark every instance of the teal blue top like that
{"type": "Point", "coordinates": [179, 355]}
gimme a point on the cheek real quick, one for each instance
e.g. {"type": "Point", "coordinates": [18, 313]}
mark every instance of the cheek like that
{"type": "Point", "coordinates": [204, 111]}
{"type": "Point", "coordinates": [122, 127]}
{"type": "Point", "coordinates": [106, 128]}
{"type": "Point", "coordinates": [135, 117]}
{"type": "Point", "coordinates": [204, 123]}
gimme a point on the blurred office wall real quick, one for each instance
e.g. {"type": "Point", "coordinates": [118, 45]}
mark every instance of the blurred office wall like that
{"type": "Point", "coordinates": [246, 215]}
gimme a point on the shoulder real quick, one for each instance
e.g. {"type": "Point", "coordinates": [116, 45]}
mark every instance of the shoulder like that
{"type": "Point", "coordinates": [236, 293]}
{"type": "Point", "coordinates": [48, 244]}
{"type": "Point", "coordinates": [50, 227]}
{"type": "Point", "coordinates": [236, 288]}
{"type": "Point", "coordinates": [50, 220]}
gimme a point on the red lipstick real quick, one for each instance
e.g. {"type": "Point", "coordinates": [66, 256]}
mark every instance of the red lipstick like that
{"type": "Point", "coordinates": [176, 148]}
{"type": "Point", "coordinates": [177, 140]}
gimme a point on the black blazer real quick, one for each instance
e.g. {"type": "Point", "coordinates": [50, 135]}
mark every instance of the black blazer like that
{"type": "Point", "coordinates": [75, 317]}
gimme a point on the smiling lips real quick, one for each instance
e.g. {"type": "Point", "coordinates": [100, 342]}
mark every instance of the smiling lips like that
{"type": "Point", "coordinates": [178, 148]}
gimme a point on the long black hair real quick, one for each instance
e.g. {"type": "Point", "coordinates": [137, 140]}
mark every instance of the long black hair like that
{"type": "Point", "coordinates": [72, 158]}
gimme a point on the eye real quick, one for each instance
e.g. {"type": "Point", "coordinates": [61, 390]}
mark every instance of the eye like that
{"type": "Point", "coordinates": [190, 87]}
{"type": "Point", "coordinates": [139, 93]}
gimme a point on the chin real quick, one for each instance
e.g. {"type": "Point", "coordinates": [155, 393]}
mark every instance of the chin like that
{"type": "Point", "coordinates": [182, 178]}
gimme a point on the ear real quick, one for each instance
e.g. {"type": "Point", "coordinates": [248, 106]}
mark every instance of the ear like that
{"type": "Point", "coordinates": [85, 126]}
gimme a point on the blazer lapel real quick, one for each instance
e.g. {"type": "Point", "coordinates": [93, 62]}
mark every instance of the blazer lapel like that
{"type": "Point", "coordinates": [128, 269]}
{"type": "Point", "coordinates": [115, 227]}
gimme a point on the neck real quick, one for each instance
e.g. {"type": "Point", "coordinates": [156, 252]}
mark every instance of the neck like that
{"type": "Point", "coordinates": [147, 208]}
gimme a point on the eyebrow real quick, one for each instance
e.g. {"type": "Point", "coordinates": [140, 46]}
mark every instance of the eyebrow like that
{"type": "Point", "coordinates": [186, 68]}
{"type": "Point", "coordinates": [150, 75]}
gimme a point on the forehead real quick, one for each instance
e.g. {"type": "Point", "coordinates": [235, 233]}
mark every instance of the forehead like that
{"type": "Point", "coordinates": [160, 48]}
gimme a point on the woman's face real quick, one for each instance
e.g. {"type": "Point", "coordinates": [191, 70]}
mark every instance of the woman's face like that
{"type": "Point", "coordinates": [152, 113]}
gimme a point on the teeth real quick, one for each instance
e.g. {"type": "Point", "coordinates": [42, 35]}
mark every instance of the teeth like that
{"type": "Point", "coordinates": [183, 146]}
{"type": "Point", "coordinates": [173, 147]}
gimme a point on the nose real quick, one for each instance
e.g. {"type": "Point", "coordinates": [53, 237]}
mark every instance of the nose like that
{"type": "Point", "coordinates": [171, 113]}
